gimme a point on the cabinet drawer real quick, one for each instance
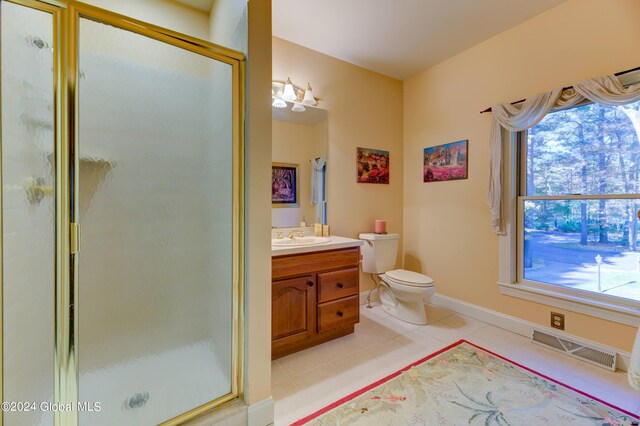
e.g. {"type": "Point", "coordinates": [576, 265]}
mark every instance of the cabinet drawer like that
{"type": "Point", "coordinates": [338, 313]}
{"type": "Point", "coordinates": [312, 263]}
{"type": "Point", "coordinates": [337, 284]}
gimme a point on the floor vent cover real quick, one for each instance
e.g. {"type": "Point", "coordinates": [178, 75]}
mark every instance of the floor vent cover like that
{"type": "Point", "coordinates": [591, 354]}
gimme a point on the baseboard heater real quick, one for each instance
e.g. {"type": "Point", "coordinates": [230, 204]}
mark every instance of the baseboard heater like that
{"type": "Point", "coordinates": [589, 353]}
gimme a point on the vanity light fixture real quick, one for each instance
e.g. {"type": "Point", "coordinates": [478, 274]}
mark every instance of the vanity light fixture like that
{"type": "Point", "coordinates": [279, 103]}
{"type": "Point", "coordinates": [283, 92]}
{"type": "Point", "coordinates": [289, 95]}
{"type": "Point", "coordinates": [309, 99]}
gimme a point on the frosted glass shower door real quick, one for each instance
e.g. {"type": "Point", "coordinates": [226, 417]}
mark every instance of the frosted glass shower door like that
{"type": "Point", "coordinates": [28, 230]}
{"type": "Point", "coordinates": [155, 272]}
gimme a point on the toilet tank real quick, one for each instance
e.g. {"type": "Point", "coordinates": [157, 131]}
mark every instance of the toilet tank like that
{"type": "Point", "coordinates": [379, 252]}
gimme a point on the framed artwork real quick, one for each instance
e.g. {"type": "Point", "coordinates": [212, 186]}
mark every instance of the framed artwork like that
{"type": "Point", "coordinates": [285, 185]}
{"type": "Point", "coordinates": [446, 162]}
{"type": "Point", "coordinates": [372, 166]}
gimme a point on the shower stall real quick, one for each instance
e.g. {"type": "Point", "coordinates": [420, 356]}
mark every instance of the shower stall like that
{"type": "Point", "coordinates": [121, 256]}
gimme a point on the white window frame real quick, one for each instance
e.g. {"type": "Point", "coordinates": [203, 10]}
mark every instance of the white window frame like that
{"type": "Point", "coordinates": [510, 279]}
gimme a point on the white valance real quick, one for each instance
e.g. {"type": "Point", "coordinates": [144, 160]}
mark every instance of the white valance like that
{"type": "Point", "coordinates": [606, 90]}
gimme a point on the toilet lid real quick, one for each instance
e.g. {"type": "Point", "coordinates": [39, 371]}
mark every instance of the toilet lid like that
{"type": "Point", "coordinates": [410, 278]}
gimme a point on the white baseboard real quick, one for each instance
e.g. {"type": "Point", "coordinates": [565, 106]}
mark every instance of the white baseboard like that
{"type": "Point", "coordinates": [261, 413]}
{"type": "Point", "coordinates": [516, 325]}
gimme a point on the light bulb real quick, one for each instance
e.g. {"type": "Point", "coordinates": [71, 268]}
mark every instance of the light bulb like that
{"type": "Point", "coordinates": [289, 94]}
{"type": "Point", "coordinates": [308, 100]}
{"type": "Point", "coordinates": [279, 103]}
{"type": "Point", "coordinates": [298, 108]}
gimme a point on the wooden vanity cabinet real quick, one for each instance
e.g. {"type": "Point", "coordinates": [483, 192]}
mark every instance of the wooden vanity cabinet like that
{"type": "Point", "coordinates": [314, 298]}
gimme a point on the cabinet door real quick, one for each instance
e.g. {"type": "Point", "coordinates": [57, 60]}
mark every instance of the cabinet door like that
{"type": "Point", "coordinates": [293, 304]}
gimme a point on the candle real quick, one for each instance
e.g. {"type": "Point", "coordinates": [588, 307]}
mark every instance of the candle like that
{"type": "Point", "coordinates": [381, 226]}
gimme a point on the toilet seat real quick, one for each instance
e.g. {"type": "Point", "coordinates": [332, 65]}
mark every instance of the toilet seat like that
{"type": "Point", "coordinates": [408, 278]}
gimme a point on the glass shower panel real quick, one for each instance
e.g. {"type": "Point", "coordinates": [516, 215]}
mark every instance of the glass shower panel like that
{"type": "Point", "coordinates": [156, 207]}
{"type": "Point", "coordinates": [28, 248]}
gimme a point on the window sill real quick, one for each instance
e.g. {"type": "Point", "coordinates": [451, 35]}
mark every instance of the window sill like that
{"type": "Point", "coordinates": [574, 302]}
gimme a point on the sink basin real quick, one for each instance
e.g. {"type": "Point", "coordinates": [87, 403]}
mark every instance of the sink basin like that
{"type": "Point", "coordinates": [300, 241]}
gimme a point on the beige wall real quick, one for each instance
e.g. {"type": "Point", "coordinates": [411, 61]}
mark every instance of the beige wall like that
{"type": "Point", "coordinates": [447, 232]}
{"type": "Point", "coordinates": [364, 109]}
{"type": "Point", "coordinates": [258, 213]}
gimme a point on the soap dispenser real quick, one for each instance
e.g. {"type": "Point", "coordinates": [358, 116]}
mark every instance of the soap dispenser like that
{"type": "Point", "coordinates": [317, 228]}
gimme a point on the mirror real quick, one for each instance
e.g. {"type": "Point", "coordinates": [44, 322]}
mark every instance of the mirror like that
{"type": "Point", "coordinates": [300, 141]}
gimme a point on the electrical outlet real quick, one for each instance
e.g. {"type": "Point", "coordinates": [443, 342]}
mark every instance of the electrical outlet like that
{"type": "Point", "coordinates": [557, 320]}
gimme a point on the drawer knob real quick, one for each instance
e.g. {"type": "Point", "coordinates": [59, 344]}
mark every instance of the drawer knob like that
{"type": "Point", "coordinates": [340, 313]}
{"type": "Point", "coordinates": [340, 285]}
{"type": "Point", "coordinates": [310, 283]}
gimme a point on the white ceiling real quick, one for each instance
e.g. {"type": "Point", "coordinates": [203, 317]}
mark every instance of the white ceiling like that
{"type": "Point", "coordinates": [398, 38]}
{"type": "Point", "coordinates": [203, 5]}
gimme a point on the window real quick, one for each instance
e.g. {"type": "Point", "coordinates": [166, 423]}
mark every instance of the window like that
{"type": "Point", "coordinates": [578, 204]}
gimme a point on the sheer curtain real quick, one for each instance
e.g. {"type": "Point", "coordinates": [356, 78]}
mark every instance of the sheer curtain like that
{"type": "Point", "coordinates": [606, 90]}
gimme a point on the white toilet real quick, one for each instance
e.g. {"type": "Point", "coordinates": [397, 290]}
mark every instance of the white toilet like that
{"type": "Point", "coordinates": [401, 292]}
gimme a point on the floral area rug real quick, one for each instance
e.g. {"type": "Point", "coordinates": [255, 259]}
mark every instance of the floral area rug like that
{"type": "Point", "coordinates": [467, 385]}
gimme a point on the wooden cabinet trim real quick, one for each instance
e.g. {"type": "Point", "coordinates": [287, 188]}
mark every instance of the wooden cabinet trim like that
{"type": "Point", "coordinates": [314, 262]}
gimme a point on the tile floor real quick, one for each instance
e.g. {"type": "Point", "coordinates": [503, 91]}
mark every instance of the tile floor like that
{"type": "Point", "coordinates": [311, 379]}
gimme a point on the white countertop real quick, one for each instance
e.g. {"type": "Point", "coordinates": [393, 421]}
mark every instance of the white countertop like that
{"type": "Point", "coordinates": [335, 243]}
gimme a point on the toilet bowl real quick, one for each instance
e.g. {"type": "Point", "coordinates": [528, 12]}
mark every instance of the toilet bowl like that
{"type": "Point", "coordinates": [404, 295]}
{"type": "Point", "coordinates": [401, 292]}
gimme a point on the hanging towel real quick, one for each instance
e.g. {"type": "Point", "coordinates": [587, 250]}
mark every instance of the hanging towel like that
{"type": "Point", "coordinates": [317, 166]}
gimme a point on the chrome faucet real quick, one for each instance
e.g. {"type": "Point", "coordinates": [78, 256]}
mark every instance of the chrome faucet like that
{"type": "Point", "coordinates": [294, 234]}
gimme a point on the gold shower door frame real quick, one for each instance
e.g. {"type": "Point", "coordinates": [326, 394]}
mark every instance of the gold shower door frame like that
{"type": "Point", "coordinates": [66, 16]}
